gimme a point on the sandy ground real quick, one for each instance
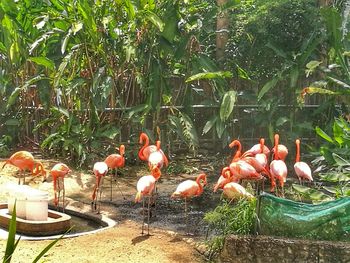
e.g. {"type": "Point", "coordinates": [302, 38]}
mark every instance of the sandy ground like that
{"type": "Point", "coordinates": [167, 241]}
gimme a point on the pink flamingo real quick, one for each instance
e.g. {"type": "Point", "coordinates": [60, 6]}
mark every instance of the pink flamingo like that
{"type": "Point", "coordinates": [278, 168]}
{"type": "Point", "coordinates": [157, 158]}
{"type": "Point", "coordinates": [147, 149]}
{"type": "Point", "coordinates": [25, 161]}
{"type": "Point", "coordinates": [188, 189]}
{"type": "Point", "coordinates": [234, 190]}
{"type": "Point", "coordinates": [224, 178]}
{"type": "Point", "coordinates": [301, 169]}
{"type": "Point", "coordinates": [145, 187]}
{"type": "Point", "coordinates": [282, 152]}
{"type": "Point", "coordinates": [100, 170]}
{"type": "Point", "coordinates": [256, 149]}
{"type": "Point", "coordinates": [58, 172]}
{"type": "Point", "coordinates": [115, 161]}
{"type": "Point", "coordinates": [238, 153]}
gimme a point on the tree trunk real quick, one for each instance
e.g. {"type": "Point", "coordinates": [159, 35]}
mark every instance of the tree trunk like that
{"type": "Point", "coordinates": [222, 24]}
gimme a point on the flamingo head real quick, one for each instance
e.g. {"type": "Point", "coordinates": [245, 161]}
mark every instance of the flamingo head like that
{"type": "Point", "coordinates": [226, 172]}
{"type": "Point", "coordinates": [202, 177]}
{"type": "Point", "coordinates": [122, 150]}
{"type": "Point", "coordinates": [158, 145]}
{"type": "Point", "coordinates": [143, 138]}
{"type": "Point", "coordinates": [155, 171]}
{"type": "Point", "coordinates": [234, 143]}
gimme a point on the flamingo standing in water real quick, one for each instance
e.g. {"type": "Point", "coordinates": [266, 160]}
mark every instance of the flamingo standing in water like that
{"type": "Point", "coordinates": [301, 169]}
{"type": "Point", "coordinates": [25, 161]}
{"type": "Point", "coordinates": [145, 187]}
{"type": "Point", "coordinates": [58, 172]}
{"type": "Point", "coordinates": [115, 161]}
{"type": "Point", "coordinates": [100, 170]}
{"type": "Point", "coordinates": [278, 168]}
{"type": "Point", "coordinates": [190, 188]}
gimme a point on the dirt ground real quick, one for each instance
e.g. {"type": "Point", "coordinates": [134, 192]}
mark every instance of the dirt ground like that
{"type": "Point", "coordinates": [168, 240]}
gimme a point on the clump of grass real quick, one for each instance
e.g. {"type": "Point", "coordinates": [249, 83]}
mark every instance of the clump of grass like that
{"type": "Point", "coordinates": [229, 218]}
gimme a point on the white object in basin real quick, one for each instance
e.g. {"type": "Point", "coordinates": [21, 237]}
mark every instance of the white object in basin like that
{"type": "Point", "coordinates": [37, 205]}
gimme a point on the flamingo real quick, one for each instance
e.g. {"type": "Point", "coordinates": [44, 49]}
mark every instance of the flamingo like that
{"type": "Point", "coordinates": [115, 161]}
{"type": "Point", "coordinates": [25, 161]}
{"type": "Point", "coordinates": [188, 189]}
{"type": "Point", "coordinates": [282, 152]}
{"type": "Point", "coordinates": [157, 158]}
{"type": "Point", "coordinates": [224, 178]}
{"type": "Point", "coordinates": [278, 168]}
{"type": "Point", "coordinates": [258, 148]}
{"type": "Point", "coordinates": [145, 187]}
{"type": "Point", "coordinates": [58, 172]}
{"type": "Point", "coordinates": [301, 169]}
{"type": "Point", "coordinates": [234, 190]}
{"type": "Point", "coordinates": [238, 153]}
{"type": "Point", "coordinates": [147, 149]}
{"type": "Point", "coordinates": [100, 170]}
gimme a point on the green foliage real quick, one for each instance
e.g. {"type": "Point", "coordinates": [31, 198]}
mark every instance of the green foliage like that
{"type": "Point", "coordinates": [230, 218]}
{"type": "Point", "coordinates": [336, 149]}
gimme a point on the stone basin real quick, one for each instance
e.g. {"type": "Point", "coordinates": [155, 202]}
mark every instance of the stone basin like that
{"type": "Point", "coordinates": [57, 223]}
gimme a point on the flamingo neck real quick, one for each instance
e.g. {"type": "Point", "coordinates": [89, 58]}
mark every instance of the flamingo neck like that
{"type": "Point", "coordinates": [276, 146]}
{"type": "Point", "coordinates": [226, 170]}
{"type": "Point", "coordinates": [122, 150]}
{"type": "Point", "coordinates": [201, 177]}
{"type": "Point", "coordinates": [297, 158]}
{"type": "Point", "coordinates": [239, 150]}
{"type": "Point", "coordinates": [158, 145]}
{"type": "Point", "coordinates": [262, 143]}
{"type": "Point", "coordinates": [145, 141]}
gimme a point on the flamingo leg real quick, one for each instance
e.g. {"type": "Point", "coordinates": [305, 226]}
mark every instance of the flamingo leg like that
{"type": "Point", "coordinates": [186, 217]}
{"type": "Point", "coordinates": [58, 199]}
{"type": "Point", "coordinates": [116, 181]}
{"type": "Point", "coordinates": [64, 194]}
{"type": "Point", "coordinates": [143, 215]}
{"type": "Point", "coordinates": [148, 213]}
{"type": "Point", "coordinates": [111, 186]}
{"type": "Point", "coordinates": [100, 190]}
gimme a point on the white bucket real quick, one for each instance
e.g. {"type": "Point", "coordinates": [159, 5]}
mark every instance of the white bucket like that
{"type": "Point", "coordinates": [37, 206]}
{"type": "Point", "coordinates": [17, 193]}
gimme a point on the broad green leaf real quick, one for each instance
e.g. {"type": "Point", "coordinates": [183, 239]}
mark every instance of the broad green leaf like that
{"type": "Point", "coordinates": [282, 120]}
{"type": "Point", "coordinates": [209, 125]}
{"type": "Point", "coordinates": [340, 161]}
{"type": "Point", "coordinates": [12, 122]}
{"type": "Point", "coordinates": [335, 177]}
{"type": "Point", "coordinates": [330, 189]}
{"type": "Point", "coordinates": [43, 61]}
{"type": "Point", "coordinates": [324, 135]}
{"type": "Point", "coordinates": [155, 20]}
{"type": "Point", "coordinates": [65, 42]}
{"type": "Point", "coordinates": [269, 85]}
{"type": "Point", "coordinates": [110, 133]}
{"type": "Point", "coordinates": [300, 188]}
{"type": "Point", "coordinates": [210, 75]}
{"type": "Point", "coordinates": [242, 73]}
{"type": "Point", "coordinates": [137, 109]}
{"type": "Point", "coordinates": [220, 128]}
{"type": "Point", "coordinates": [228, 102]}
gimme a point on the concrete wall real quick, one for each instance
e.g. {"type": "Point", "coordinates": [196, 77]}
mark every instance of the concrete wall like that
{"type": "Point", "coordinates": [265, 249]}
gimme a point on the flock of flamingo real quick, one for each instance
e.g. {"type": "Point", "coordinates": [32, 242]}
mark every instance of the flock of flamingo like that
{"type": "Point", "coordinates": [250, 165]}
